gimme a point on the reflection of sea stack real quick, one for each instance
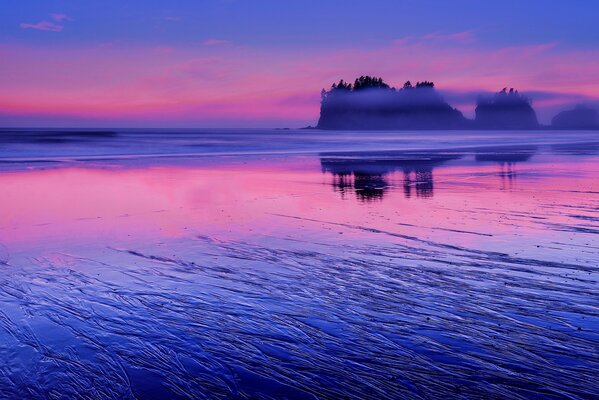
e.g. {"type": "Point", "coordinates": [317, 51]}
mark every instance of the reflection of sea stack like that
{"type": "Point", "coordinates": [505, 110]}
{"type": "Point", "coordinates": [365, 173]}
{"type": "Point", "coordinates": [579, 118]}
{"type": "Point", "coordinates": [372, 104]}
{"type": "Point", "coordinates": [418, 179]}
{"type": "Point", "coordinates": [506, 157]}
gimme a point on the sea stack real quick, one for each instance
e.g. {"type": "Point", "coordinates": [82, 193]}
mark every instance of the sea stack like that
{"type": "Point", "coordinates": [369, 103]}
{"type": "Point", "coordinates": [505, 110]}
{"type": "Point", "coordinates": [580, 117]}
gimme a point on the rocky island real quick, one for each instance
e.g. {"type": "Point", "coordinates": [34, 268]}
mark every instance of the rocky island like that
{"type": "Point", "coordinates": [581, 117]}
{"type": "Point", "coordinates": [370, 103]}
{"type": "Point", "coordinates": [505, 110]}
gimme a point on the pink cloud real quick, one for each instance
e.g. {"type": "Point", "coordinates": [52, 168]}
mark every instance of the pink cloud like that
{"type": "Point", "coordinates": [215, 42]}
{"type": "Point", "coordinates": [457, 38]}
{"type": "Point", "coordinates": [60, 17]}
{"type": "Point", "coordinates": [43, 26]}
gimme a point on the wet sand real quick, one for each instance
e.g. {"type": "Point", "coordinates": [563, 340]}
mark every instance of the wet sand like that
{"type": "Point", "coordinates": [447, 267]}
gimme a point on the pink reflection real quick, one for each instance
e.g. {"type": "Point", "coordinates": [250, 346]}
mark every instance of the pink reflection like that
{"type": "Point", "coordinates": [477, 206]}
{"type": "Point", "coordinates": [119, 203]}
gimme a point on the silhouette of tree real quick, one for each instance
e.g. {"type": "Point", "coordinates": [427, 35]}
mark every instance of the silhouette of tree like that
{"type": "Point", "coordinates": [511, 96]}
{"type": "Point", "coordinates": [342, 85]}
{"type": "Point", "coordinates": [369, 82]}
{"type": "Point", "coordinates": [425, 84]}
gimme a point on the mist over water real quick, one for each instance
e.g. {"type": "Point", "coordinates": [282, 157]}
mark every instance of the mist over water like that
{"type": "Point", "coordinates": [299, 264]}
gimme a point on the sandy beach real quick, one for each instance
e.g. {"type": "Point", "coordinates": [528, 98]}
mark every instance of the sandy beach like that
{"type": "Point", "coordinates": [297, 264]}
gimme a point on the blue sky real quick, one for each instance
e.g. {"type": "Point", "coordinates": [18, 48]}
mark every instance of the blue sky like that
{"type": "Point", "coordinates": [305, 23]}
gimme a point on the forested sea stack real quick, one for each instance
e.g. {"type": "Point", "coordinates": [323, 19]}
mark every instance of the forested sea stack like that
{"type": "Point", "coordinates": [370, 103]}
{"type": "Point", "coordinates": [580, 117]}
{"type": "Point", "coordinates": [505, 110]}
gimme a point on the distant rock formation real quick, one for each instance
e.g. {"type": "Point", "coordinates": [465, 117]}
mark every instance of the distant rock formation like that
{"type": "Point", "coordinates": [505, 110]}
{"type": "Point", "coordinates": [370, 103]}
{"type": "Point", "coordinates": [580, 117]}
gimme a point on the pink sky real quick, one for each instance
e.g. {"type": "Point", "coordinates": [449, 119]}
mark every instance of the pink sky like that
{"type": "Point", "coordinates": [219, 83]}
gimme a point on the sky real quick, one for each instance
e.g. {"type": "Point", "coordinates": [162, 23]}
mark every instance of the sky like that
{"type": "Point", "coordinates": [263, 63]}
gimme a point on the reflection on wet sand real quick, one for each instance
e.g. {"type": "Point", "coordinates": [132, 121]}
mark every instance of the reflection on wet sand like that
{"type": "Point", "coordinates": [365, 173]}
{"type": "Point", "coordinates": [367, 187]}
{"type": "Point", "coordinates": [368, 174]}
{"type": "Point", "coordinates": [507, 158]}
{"type": "Point", "coordinates": [420, 179]}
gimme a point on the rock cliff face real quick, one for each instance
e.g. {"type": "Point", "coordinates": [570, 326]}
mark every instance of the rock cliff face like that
{"type": "Point", "coordinates": [505, 110]}
{"type": "Point", "coordinates": [579, 118]}
{"type": "Point", "coordinates": [372, 104]}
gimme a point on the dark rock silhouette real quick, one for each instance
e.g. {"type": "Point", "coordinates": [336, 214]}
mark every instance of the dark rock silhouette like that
{"type": "Point", "coordinates": [370, 103]}
{"type": "Point", "coordinates": [505, 110]}
{"type": "Point", "coordinates": [580, 117]}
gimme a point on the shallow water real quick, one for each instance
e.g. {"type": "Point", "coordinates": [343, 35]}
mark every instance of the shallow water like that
{"type": "Point", "coordinates": [299, 264]}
